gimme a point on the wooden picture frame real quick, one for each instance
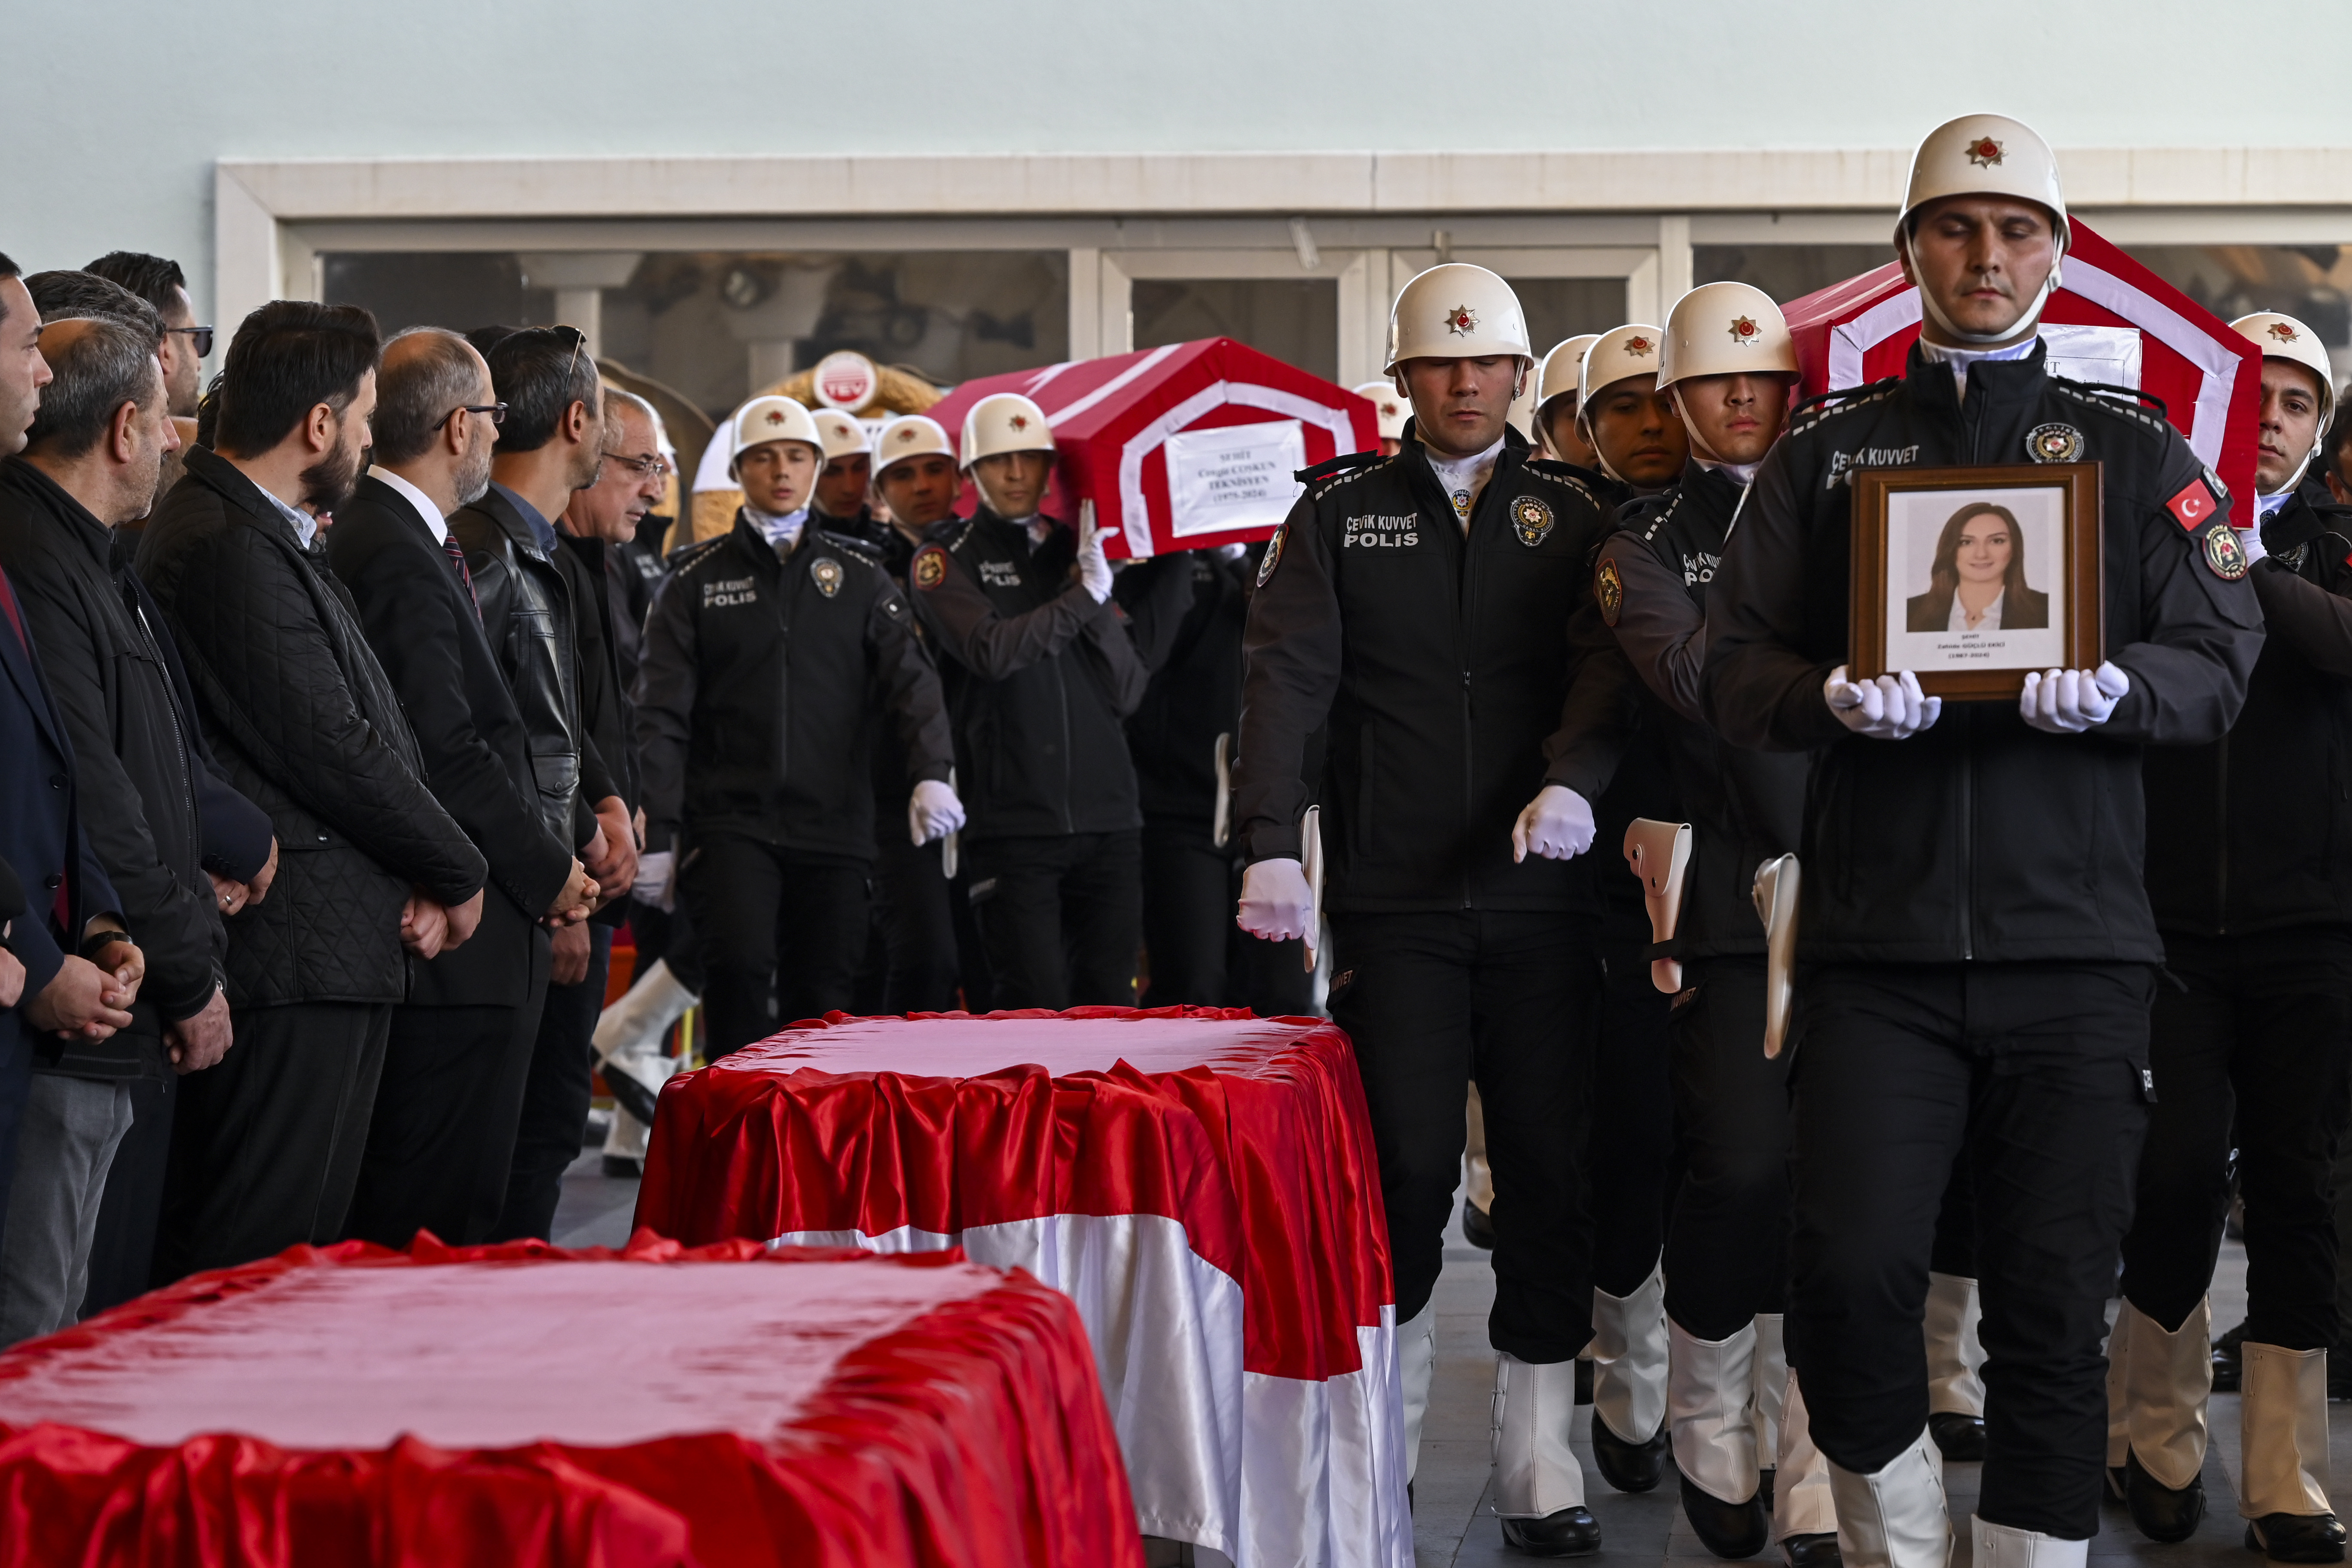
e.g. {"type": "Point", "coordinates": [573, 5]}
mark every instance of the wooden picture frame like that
{"type": "Point", "coordinates": [1924, 543]}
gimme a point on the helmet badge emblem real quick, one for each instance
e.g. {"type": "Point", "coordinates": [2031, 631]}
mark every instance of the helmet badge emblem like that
{"type": "Point", "coordinates": [1984, 152]}
{"type": "Point", "coordinates": [1462, 321]}
{"type": "Point", "coordinates": [1019, 422]}
{"type": "Point", "coordinates": [1638, 347]}
{"type": "Point", "coordinates": [2282, 332]}
{"type": "Point", "coordinates": [1744, 331]}
{"type": "Point", "coordinates": [775, 417]}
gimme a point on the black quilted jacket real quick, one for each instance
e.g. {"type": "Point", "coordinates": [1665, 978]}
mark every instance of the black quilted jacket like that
{"type": "Point", "coordinates": [302, 717]}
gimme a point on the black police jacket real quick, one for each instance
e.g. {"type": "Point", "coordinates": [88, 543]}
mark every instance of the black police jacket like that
{"type": "Point", "coordinates": [761, 685]}
{"type": "Point", "coordinates": [1189, 611]}
{"type": "Point", "coordinates": [1039, 678]}
{"type": "Point", "coordinates": [1442, 662]}
{"type": "Point", "coordinates": [1981, 837]}
{"type": "Point", "coordinates": [1650, 584]}
{"type": "Point", "coordinates": [2253, 832]}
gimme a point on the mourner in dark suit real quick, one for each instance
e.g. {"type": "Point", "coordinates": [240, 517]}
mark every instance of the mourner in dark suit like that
{"type": "Point", "coordinates": [446, 1109]}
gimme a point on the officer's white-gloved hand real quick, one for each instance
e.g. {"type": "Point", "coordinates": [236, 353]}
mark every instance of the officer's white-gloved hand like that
{"type": "Point", "coordinates": [1557, 824]}
{"type": "Point", "coordinates": [2069, 701]}
{"type": "Point", "coordinates": [1889, 708]}
{"type": "Point", "coordinates": [933, 811]}
{"type": "Point", "coordinates": [1277, 903]}
{"type": "Point", "coordinates": [1094, 567]}
{"type": "Point", "coordinates": [655, 871]}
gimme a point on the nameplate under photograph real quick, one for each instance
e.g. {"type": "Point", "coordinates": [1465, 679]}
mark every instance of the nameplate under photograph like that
{"type": "Point", "coordinates": [1971, 577]}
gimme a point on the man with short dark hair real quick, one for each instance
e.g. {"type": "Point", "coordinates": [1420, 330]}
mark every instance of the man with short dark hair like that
{"type": "Point", "coordinates": [551, 445]}
{"type": "Point", "coordinates": [443, 1131]}
{"type": "Point", "coordinates": [163, 285]}
{"type": "Point", "coordinates": [266, 1149]}
{"type": "Point", "coordinates": [66, 296]}
{"type": "Point", "coordinates": [49, 876]}
{"type": "Point", "coordinates": [90, 465]}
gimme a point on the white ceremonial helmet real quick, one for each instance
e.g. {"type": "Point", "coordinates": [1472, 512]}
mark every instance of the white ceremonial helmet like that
{"type": "Point", "coordinates": [772, 418]}
{"type": "Point", "coordinates": [844, 437]}
{"type": "Point", "coordinates": [1005, 422]}
{"type": "Point", "coordinates": [1725, 329]}
{"type": "Point", "coordinates": [1455, 310]}
{"type": "Point", "coordinates": [1985, 155]}
{"type": "Point", "coordinates": [910, 436]}
{"type": "Point", "coordinates": [1560, 366]}
{"type": "Point", "coordinates": [2283, 337]}
{"type": "Point", "coordinates": [1394, 409]}
{"type": "Point", "coordinates": [1615, 355]}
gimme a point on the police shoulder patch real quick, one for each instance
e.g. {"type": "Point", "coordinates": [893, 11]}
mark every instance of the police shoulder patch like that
{"type": "Point", "coordinates": [1272, 554]}
{"type": "Point", "coordinates": [930, 567]}
{"type": "Point", "coordinates": [2053, 442]}
{"type": "Point", "coordinates": [1609, 588]}
{"type": "Point", "coordinates": [826, 574]}
{"type": "Point", "coordinates": [2223, 554]}
{"type": "Point", "coordinates": [1532, 520]}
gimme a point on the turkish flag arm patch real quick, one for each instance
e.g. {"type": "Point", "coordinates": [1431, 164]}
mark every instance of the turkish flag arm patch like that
{"type": "Point", "coordinates": [2195, 506]}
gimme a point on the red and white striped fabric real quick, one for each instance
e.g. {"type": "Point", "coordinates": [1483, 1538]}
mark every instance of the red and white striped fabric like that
{"type": "Point", "coordinates": [1201, 1182]}
{"type": "Point", "coordinates": [2111, 320]}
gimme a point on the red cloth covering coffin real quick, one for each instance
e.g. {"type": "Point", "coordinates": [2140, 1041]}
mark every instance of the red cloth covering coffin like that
{"type": "Point", "coordinates": [2111, 319]}
{"type": "Point", "coordinates": [1113, 420]}
{"type": "Point", "coordinates": [522, 1407]}
{"type": "Point", "coordinates": [1202, 1182]}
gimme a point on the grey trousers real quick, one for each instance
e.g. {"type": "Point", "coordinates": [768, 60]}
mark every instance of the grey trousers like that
{"type": "Point", "coordinates": [72, 1126]}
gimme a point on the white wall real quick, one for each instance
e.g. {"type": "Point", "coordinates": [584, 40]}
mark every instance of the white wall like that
{"type": "Point", "coordinates": [115, 113]}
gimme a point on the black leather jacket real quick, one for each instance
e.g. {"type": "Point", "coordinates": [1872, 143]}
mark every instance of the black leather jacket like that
{"type": "Point", "coordinates": [528, 612]}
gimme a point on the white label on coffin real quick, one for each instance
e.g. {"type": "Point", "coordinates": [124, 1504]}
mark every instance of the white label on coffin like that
{"type": "Point", "coordinates": [2109, 355]}
{"type": "Point", "coordinates": [1233, 476]}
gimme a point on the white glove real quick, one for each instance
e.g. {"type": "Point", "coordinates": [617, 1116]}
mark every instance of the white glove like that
{"type": "Point", "coordinates": [1276, 902]}
{"type": "Point", "coordinates": [934, 812]}
{"type": "Point", "coordinates": [1890, 707]}
{"type": "Point", "coordinates": [1557, 824]}
{"type": "Point", "coordinates": [653, 884]}
{"type": "Point", "coordinates": [2069, 701]}
{"type": "Point", "coordinates": [1094, 567]}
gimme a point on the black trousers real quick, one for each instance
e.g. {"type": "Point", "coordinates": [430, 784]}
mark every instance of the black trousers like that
{"type": "Point", "coordinates": [122, 1247]}
{"type": "Point", "coordinates": [1630, 1154]}
{"type": "Point", "coordinates": [266, 1145]}
{"type": "Point", "coordinates": [555, 1097]}
{"type": "Point", "coordinates": [2033, 1074]}
{"type": "Point", "coordinates": [1728, 1247]}
{"type": "Point", "coordinates": [1195, 954]}
{"type": "Point", "coordinates": [780, 934]}
{"type": "Point", "coordinates": [667, 935]}
{"type": "Point", "coordinates": [2257, 1050]}
{"type": "Point", "coordinates": [910, 897]}
{"type": "Point", "coordinates": [1061, 917]}
{"type": "Point", "coordinates": [443, 1135]}
{"type": "Point", "coordinates": [1510, 1000]}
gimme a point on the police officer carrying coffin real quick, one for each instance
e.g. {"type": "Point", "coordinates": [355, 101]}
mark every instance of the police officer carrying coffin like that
{"type": "Point", "coordinates": [2249, 870]}
{"type": "Point", "coordinates": [768, 657]}
{"type": "Point", "coordinates": [1041, 675]}
{"type": "Point", "coordinates": [1420, 605]}
{"type": "Point", "coordinates": [1726, 363]}
{"type": "Point", "coordinates": [1558, 433]}
{"type": "Point", "coordinates": [841, 501]}
{"type": "Point", "coordinates": [1977, 947]}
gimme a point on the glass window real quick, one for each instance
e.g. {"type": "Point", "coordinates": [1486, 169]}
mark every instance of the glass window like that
{"type": "Point", "coordinates": [718, 326]}
{"type": "Point", "coordinates": [1786, 271]}
{"type": "Point", "coordinates": [1562, 307]}
{"type": "Point", "coordinates": [1296, 320]}
{"type": "Point", "coordinates": [2312, 283]}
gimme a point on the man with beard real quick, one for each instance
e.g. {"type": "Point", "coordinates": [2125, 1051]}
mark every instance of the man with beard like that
{"type": "Point", "coordinates": [265, 1149]}
{"type": "Point", "coordinates": [551, 445]}
{"type": "Point", "coordinates": [164, 287]}
{"type": "Point", "coordinates": [442, 1130]}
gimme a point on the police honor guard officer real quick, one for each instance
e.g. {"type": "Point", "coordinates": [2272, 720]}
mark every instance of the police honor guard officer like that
{"type": "Point", "coordinates": [1978, 945]}
{"type": "Point", "coordinates": [1420, 605]}
{"type": "Point", "coordinates": [766, 655]}
{"type": "Point", "coordinates": [2249, 875]}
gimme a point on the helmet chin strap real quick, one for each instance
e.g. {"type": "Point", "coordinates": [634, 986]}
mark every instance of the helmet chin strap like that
{"type": "Point", "coordinates": [2028, 320]}
{"type": "Point", "coordinates": [1599, 455]}
{"type": "Point", "coordinates": [1690, 430]}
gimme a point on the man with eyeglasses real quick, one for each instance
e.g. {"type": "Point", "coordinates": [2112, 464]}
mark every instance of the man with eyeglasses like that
{"type": "Point", "coordinates": [442, 1134]}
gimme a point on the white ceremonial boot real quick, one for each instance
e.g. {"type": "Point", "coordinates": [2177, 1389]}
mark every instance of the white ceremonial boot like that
{"type": "Point", "coordinates": [1416, 1366]}
{"type": "Point", "coordinates": [1954, 1392]}
{"type": "Point", "coordinates": [1630, 1442]}
{"type": "Point", "coordinates": [1894, 1517]}
{"type": "Point", "coordinates": [628, 1038]}
{"type": "Point", "coordinates": [1771, 1387]}
{"type": "Point", "coordinates": [2166, 1380]}
{"type": "Point", "coordinates": [1711, 1414]}
{"type": "Point", "coordinates": [1804, 1511]}
{"type": "Point", "coordinates": [2282, 1444]}
{"type": "Point", "coordinates": [1538, 1482]}
{"type": "Point", "coordinates": [2007, 1546]}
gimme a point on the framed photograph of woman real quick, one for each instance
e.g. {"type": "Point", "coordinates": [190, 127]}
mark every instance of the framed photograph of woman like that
{"type": "Point", "coordinates": [1971, 577]}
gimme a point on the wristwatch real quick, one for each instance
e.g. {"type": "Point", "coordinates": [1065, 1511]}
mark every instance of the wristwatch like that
{"type": "Point", "coordinates": [99, 941]}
